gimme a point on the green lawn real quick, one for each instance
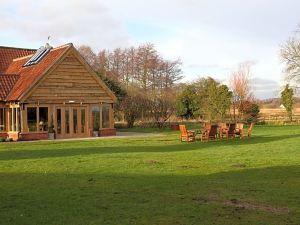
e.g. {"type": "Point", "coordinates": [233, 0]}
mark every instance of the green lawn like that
{"type": "Point", "coordinates": [155, 180]}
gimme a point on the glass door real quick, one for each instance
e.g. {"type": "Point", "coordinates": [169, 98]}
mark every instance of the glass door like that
{"type": "Point", "coordinates": [71, 122]}
{"type": "Point", "coordinates": [58, 123]}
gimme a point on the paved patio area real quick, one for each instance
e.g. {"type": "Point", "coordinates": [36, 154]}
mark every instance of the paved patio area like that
{"type": "Point", "coordinates": [119, 135]}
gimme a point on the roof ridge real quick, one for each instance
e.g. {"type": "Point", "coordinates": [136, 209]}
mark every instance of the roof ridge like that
{"type": "Point", "coordinates": [28, 49]}
{"type": "Point", "coordinates": [63, 46]}
{"type": "Point", "coordinates": [34, 49]}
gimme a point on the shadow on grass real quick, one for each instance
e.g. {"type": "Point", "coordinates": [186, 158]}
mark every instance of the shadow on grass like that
{"type": "Point", "coordinates": [147, 199]}
{"type": "Point", "coordinates": [130, 147]}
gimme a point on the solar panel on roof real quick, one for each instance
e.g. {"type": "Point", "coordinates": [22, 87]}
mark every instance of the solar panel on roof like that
{"type": "Point", "coordinates": [38, 56]}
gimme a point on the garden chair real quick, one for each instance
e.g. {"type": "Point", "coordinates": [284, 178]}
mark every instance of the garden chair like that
{"type": "Point", "coordinates": [223, 130]}
{"type": "Point", "coordinates": [206, 127]}
{"type": "Point", "coordinates": [210, 134]}
{"type": "Point", "coordinates": [186, 135]}
{"type": "Point", "coordinates": [250, 130]}
{"type": "Point", "coordinates": [239, 130]}
{"type": "Point", "coordinates": [231, 130]}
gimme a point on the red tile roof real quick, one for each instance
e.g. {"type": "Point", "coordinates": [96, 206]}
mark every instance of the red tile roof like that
{"type": "Point", "coordinates": [7, 81]}
{"type": "Point", "coordinates": [7, 54]}
{"type": "Point", "coordinates": [30, 74]}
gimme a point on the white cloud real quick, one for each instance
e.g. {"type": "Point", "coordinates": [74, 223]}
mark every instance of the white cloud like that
{"type": "Point", "coordinates": [211, 37]}
{"type": "Point", "coordinates": [76, 21]}
{"type": "Point", "coordinates": [265, 88]}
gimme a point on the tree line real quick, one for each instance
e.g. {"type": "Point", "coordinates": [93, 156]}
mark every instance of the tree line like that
{"type": "Point", "coordinates": [149, 88]}
{"type": "Point", "coordinates": [144, 82]}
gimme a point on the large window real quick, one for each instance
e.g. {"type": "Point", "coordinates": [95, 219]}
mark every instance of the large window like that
{"type": "Point", "coordinates": [43, 117]}
{"type": "Point", "coordinates": [105, 116]}
{"type": "Point", "coordinates": [75, 127]}
{"type": "Point", "coordinates": [2, 119]}
{"type": "Point", "coordinates": [58, 118]}
{"type": "Point", "coordinates": [14, 119]}
{"type": "Point", "coordinates": [67, 119]}
{"type": "Point", "coordinates": [37, 118]}
{"type": "Point", "coordinates": [82, 120]}
{"type": "Point", "coordinates": [32, 118]}
{"type": "Point", "coordinates": [96, 117]}
{"type": "Point", "coordinates": [12, 113]}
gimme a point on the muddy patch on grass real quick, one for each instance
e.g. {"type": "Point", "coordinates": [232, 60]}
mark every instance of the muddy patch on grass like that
{"type": "Point", "coordinates": [239, 165]}
{"type": "Point", "coordinates": [188, 167]}
{"type": "Point", "coordinates": [153, 162]}
{"type": "Point", "coordinates": [240, 204]}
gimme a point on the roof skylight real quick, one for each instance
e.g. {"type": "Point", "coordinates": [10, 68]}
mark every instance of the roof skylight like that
{"type": "Point", "coordinates": [39, 55]}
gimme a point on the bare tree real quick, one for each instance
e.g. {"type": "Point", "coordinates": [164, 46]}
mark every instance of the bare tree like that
{"type": "Point", "coordinates": [290, 55]}
{"type": "Point", "coordinates": [142, 69]}
{"type": "Point", "coordinates": [240, 83]}
{"type": "Point", "coordinates": [88, 54]}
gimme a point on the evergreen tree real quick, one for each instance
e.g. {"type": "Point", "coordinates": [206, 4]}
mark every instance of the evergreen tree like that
{"type": "Point", "coordinates": [287, 98]}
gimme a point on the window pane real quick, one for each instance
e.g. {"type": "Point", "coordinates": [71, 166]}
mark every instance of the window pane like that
{"type": "Point", "coordinates": [105, 116]}
{"type": "Point", "coordinates": [96, 117]}
{"type": "Point", "coordinates": [43, 116]}
{"type": "Point", "coordinates": [31, 118]}
{"type": "Point", "coordinates": [19, 119]}
{"type": "Point", "coordinates": [2, 119]}
{"type": "Point", "coordinates": [67, 117]}
{"type": "Point", "coordinates": [10, 119]}
{"type": "Point", "coordinates": [58, 118]}
{"type": "Point", "coordinates": [75, 121]}
{"type": "Point", "coordinates": [82, 120]}
{"type": "Point", "coordinates": [12, 113]}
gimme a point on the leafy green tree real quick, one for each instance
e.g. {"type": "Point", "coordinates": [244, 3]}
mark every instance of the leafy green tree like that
{"type": "Point", "coordinates": [214, 98]}
{"type": "Point", "coordinates": [206, 98]}
{"type": "Point", "coordinates": [287, 98]}
{"type": "Point", "coordinates": [187, 104]}
{"type": "Point", "coordinates": [223, 100]}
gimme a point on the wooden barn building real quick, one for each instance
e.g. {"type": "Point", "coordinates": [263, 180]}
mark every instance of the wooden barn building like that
{"type": "Point", "coordinates": [52, 88]}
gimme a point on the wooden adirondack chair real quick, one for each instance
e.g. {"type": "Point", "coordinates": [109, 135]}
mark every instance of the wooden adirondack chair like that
{"type": "Point", "coordinates": [207, 126]}
{"type": "Point", "coordinates": [210, 134]}
{"type": "Point", "coordinates": [231, 131]}
{"type": "Point", "coordinates": [250, 130]}
{"type": "Point", "coordinates": [223, 130]}
{"type": "Point", "coordinates": [186, 135]}
{"type": "Point", "coordinates": [239, 130]}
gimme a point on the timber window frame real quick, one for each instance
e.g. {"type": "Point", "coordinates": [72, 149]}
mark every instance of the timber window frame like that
{"type": "Point", "coordinates": [37, 118]}
{"type": "Point", "coordinates": [3, 127]}
{"type": "Point", "coordinates": [106, 114]}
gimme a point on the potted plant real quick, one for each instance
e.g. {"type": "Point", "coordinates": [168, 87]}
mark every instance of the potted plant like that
{"type": "Point", "coordinates": [51, 131]}
{"type": "Point", "coordinates": [96, 130]}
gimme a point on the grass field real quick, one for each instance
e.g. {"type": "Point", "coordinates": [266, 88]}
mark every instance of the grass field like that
{"type": "Point", "coordinates": [155, 180]}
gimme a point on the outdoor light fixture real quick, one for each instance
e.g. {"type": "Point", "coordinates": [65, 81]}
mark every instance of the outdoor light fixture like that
{"type": "Point", "coordinates": [71, 101]}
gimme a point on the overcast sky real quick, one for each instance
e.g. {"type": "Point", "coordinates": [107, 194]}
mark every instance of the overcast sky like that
{"type": "Point", "coordinates": [210, 36]}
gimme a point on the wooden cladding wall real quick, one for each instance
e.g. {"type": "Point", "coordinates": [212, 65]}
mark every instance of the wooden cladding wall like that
{"type": "Point", "coordinates": [70, 81]}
